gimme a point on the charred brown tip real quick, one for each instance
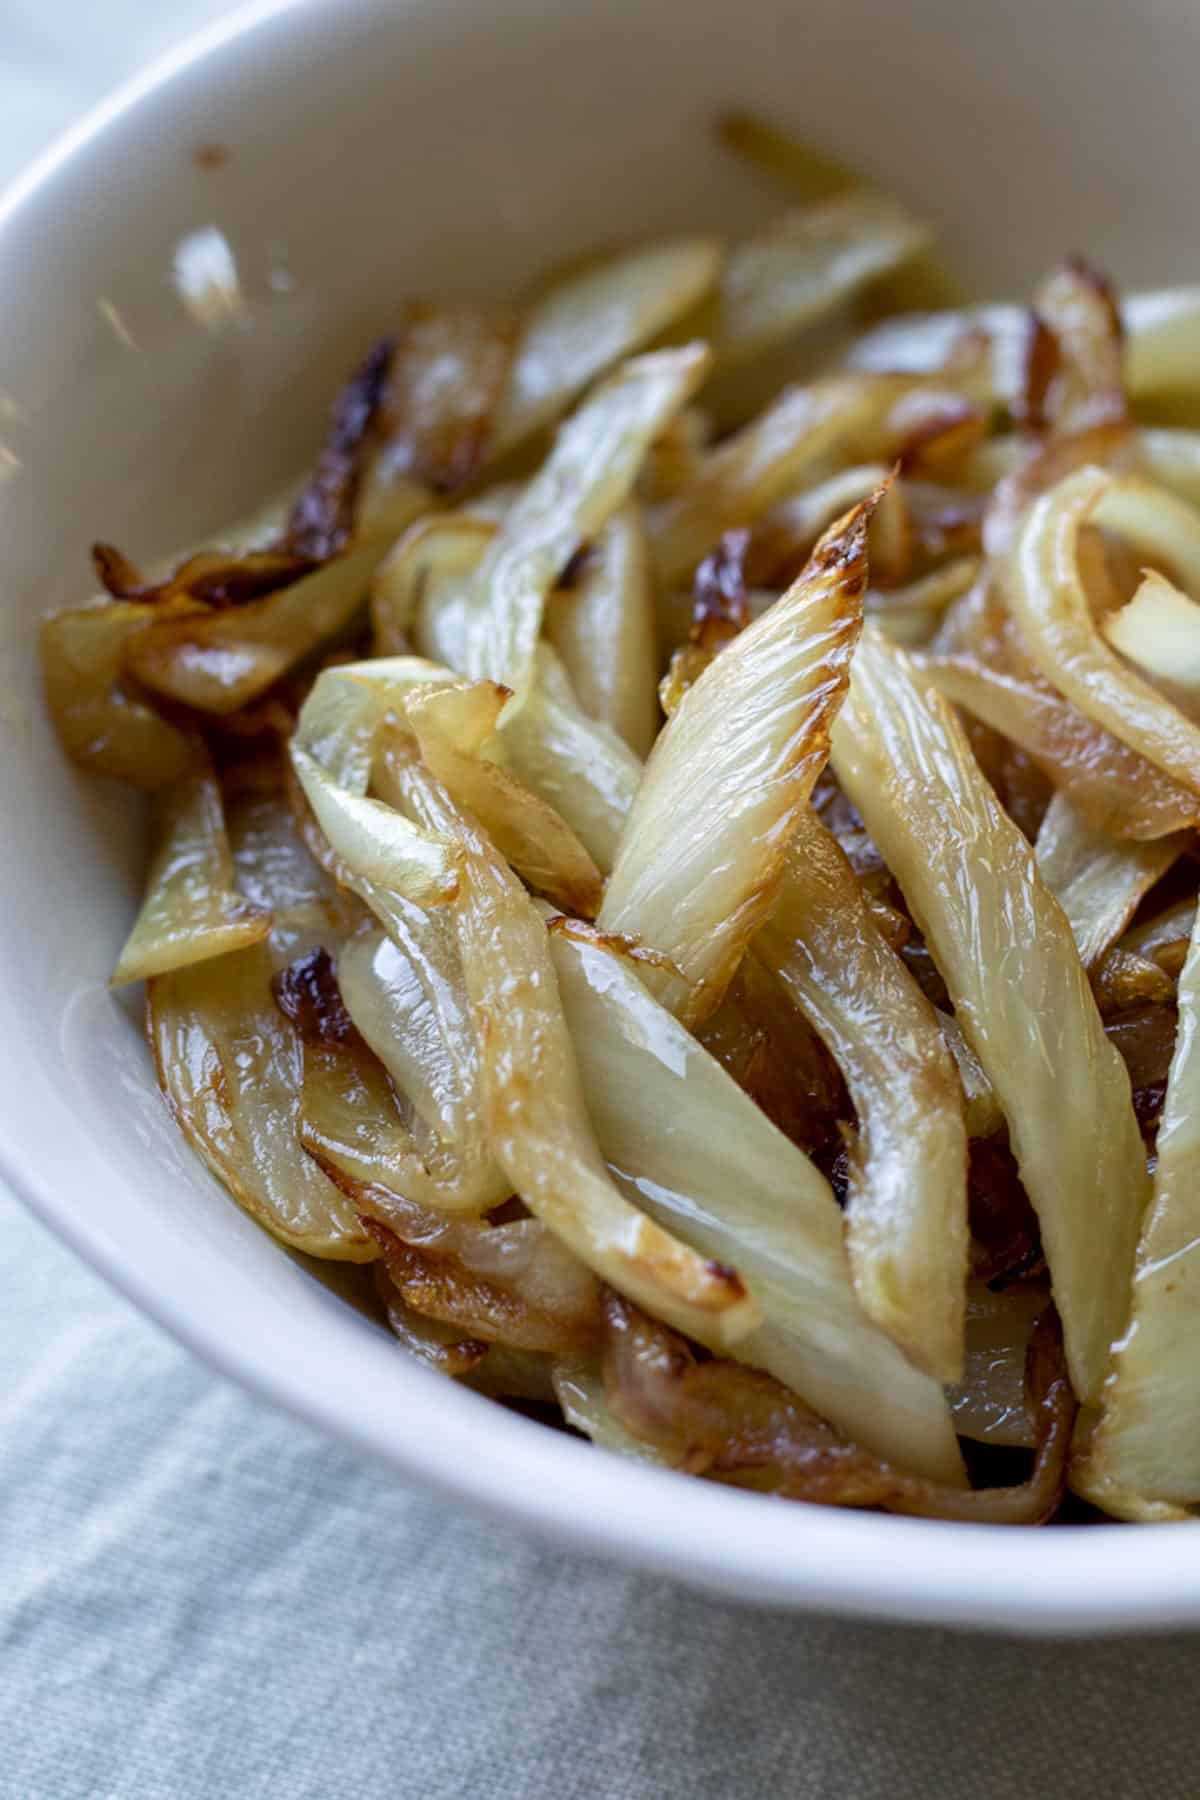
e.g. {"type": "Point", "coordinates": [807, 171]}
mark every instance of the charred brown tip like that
{"type": "Point", "coordinates": [844, 543]}
{"type": "Point", "coordinates": [210, 577]}
{"type": "Point", "coordinates": [721, 605]}
{"type": "Point", "coordinates": [322, 518]}
{"type": "Point", "coordinates": [308, 995]}
{"type": "Point", "coordinates": [617, 942]}
{"type": "Point", "coordinates": [1101, 285]}
{"type": "Point", "coordinates": [1041, 363]}
{"type": "Point", "coordinates": [576, 567]}
{"type": "Point", "coordinates": [727, 1276]}
{"type": "Point", "coordinates": [120, 577]}
{"type": "Point", "coordinates": [940, 426]}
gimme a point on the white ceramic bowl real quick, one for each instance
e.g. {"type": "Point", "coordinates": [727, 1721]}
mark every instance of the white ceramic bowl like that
{"type": "Point", "coordinates": [374, 149]}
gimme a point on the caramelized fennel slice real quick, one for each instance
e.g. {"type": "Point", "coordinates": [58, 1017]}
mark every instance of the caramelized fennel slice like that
{"type": "Point", "coordinates": [1020, 994]}
{"type": "Point", "coordinates": [589, 321]}
{"type": "Point", "coordinates": [190, 910]}
{"type": "Point", "coordinates": [1115, 788]}
{"type": "Point", "coordinates": [697, 1153]}
{"type": "Point", "coordinates": [1147, 1441]}
{"type": "Point", "coordinates": [603, 625]}
{"type": "Point", "coordinates": [700, 859]}
{"type": "Point", "coordinates": [537, 1117]}
{"type": "Point", "coordinates": [906, 1205]}
{"type": "Point", "coordinates": [588, 474]}
{"type": "Point", "coordinates": [1097, 879]}
{"type": "Point", "coordinates": [230, 1066]}
{"type": "Point", "coordinates": [1050, 604]}
{"type": "Point", "coordinates": [737, 1424]}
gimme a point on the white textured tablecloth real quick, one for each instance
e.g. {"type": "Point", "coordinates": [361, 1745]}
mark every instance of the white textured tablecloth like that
{"type": "Point", "coordinates": [200, 1599]}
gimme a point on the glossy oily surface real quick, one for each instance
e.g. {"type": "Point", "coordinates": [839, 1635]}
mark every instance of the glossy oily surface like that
{"type": "Point", "coordinates": [143, 403]}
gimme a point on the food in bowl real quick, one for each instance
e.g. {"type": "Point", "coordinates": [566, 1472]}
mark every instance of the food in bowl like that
{"type": "Point", "coordinates": [676, 849]}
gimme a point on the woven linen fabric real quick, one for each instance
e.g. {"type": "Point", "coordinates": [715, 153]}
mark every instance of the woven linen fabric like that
{"type": "Point", "coordinates": [199, 1598]}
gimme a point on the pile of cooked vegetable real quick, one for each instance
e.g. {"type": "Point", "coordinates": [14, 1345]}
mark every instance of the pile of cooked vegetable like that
{"type": "Point", "coordinates": [677, 846]}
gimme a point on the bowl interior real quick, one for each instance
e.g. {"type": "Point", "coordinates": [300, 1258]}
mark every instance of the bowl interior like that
{"type": "Point", "coordinates": [372, 151]}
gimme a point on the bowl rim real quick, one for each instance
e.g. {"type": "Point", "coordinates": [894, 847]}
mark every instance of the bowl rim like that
{"type": "Point", "coordinates": [1072, 1581]}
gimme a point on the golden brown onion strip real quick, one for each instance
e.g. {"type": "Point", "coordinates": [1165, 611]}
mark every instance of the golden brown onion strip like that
{"type": "Point", "coordinates": [1050, 605]}
{"type": "Point", "coordinates": [720, 1419]}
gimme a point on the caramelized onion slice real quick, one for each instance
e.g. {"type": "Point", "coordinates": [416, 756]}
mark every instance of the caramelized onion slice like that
{"type": "Point", "coordinates": [1162, 330]}
{"type": "Point", "coordinates": [696, 1152]}
{"type": "Point", "coordinates": [218, 662]}
{"type": "Point", "coordinates": [580, 1392]}
{"type": "Point", "coordinates": [230, 1066]}
{"type": "Point", "coordinates": [217, 578]}
{"type": "Point", "coordinates": [906, 1206]}
{"type": "Point", "coordinates": [490, 1368]}
{"type": "Point", "coordinates": [841, 418]}
{"type": "Point", "coordinates": [102, 722]}
{"type": "Point", "coordinates": [189, 911]}
{"type": "Point", "coordinates": [720, 1419]}
{"type": "Point", "coordinates": [445, 1348]}
{"type": "Point", "coordinates": [449, 368]}
{"type": "Point", "coordinates": [1074, 374]}
{"type": "Point", "coordinates": [511, 1284]}
{"type": "Point", "coordinates": [1115, 789]}
{"type": "Point", "coordinates": [1019, 990]}
{"type": "Point", "coordinates": [323, 515]}
{"type": "Point", "coordinates": [1050, 605]}
{"type": "Point", "coordinates": [700, 859]}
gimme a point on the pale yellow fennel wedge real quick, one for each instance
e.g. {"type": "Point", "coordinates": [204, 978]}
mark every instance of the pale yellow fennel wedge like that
{"type": "Point", "coordinates": [1147, 1442]}
{"type": "Point", "coordinates": [697, 1153]}
{"type": "Point", "coordinates": [1021, 997]}
{"type": "Point", "coordinates": [700, 860]}
{"type": "Point", "coordinates": [589, 473]}
{"type": "Point", "coordinates": [190, 910]}
{"type": "Point", "coordinates": [537, 1116]}
{"type": "Point", "coordinates": [906, 1207]}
